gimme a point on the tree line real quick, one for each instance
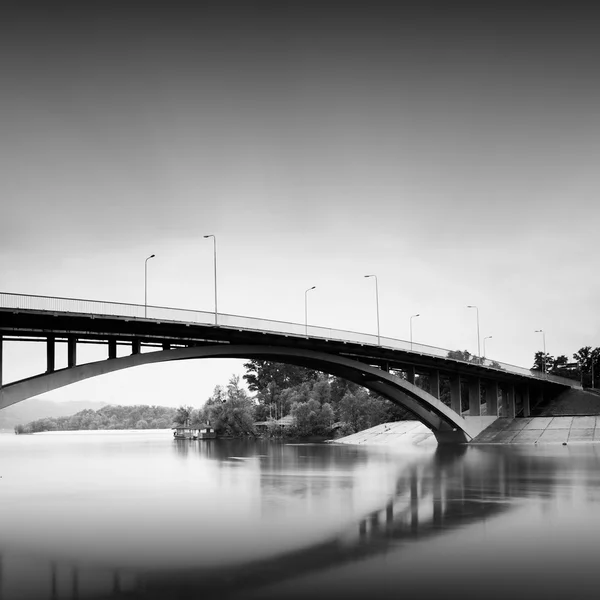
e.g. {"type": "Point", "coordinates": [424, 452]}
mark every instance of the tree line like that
{"type": "Point", "coordinates": [585, 367]}
{"type": "Point", "coordinates": [107, 417]}
{"type": "Point", "coordinates": [317, 403]}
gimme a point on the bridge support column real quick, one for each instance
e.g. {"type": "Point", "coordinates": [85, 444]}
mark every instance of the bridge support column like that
{"type": "Point", "coordinates": [410, 374]}
{"type": "Point", "coordinates": [539, 396]}
{"type": "Point", "coordinates": [50, 354]}
{"type": "Point", "coordinates": [510, 401]}
{"type": "Point", "coordinates": [112, 348]}
{"type": "Point", "coordinates": [166, 346]}
{"type": "Point", "coordinates": [474, 398]}
{"type": "Point", "coordinates": [434, 383]}
{"type": "Point", "coordinates": [1, 345]}
{"type": "Point", "coordinates": [136, 346]}
{"type": "Point", "coordinates": [71, 351]}
{"type": "Point", "coordinates": [455, 393]}
{"type": "Point", "coordinates": [526, 404]}
{"type": "Point", "coordinates": [491, 398]}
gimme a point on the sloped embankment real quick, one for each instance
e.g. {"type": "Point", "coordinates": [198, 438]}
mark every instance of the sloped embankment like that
{"type": "Point", "coordinates": [392, 434]}
{"type": "Point", "coordinates": [570, 402]}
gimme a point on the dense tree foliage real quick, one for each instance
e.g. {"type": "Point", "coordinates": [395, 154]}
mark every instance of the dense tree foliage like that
{"type": "Point", "coordinates": [260, 374]}
{"type": "Point", "coordinates": [315, 400]}
{"type": "Point", "coordinates": [585, 367]}
{"type": "Point", "coordinates": [108, 417]}
{"type": "Point", "coordinates": [312, 418]}
{"type": "Point", "coordinates": [229, 410]}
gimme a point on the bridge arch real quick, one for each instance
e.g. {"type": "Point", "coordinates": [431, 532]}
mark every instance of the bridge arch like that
{"type": "Point", "coordinates": [446, 424]}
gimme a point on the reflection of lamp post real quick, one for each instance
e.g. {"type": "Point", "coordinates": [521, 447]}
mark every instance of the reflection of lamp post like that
{"type": "Point", "coordinates": [413, 316]}
{"type": "Point", "coordinates": [215, 263]}
{"type": "Point", "coordinates": [146, 284]}
{"type": "Point", "coordinates": [544, 342]}
{"type": "Point", "coordinates": [478, 347]}
{"type": "Point", "coordinates": [489, 337]}
{"type": "Point", "coordinates": [306, 309]}
{"type": "Point", "coordinates": [377, 306]}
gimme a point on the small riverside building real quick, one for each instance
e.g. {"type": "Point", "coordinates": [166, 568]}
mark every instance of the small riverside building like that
{"type": "Point", "coordinates": [203, 432]}
{"type": "Point", "coordinates": [206, 432]}
{"type": "Point", "coordinates": [282, 423]}
{"type": "Point", "coordinates": [184, 432]}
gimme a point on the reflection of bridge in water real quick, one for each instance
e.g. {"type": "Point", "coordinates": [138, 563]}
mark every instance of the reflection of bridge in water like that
{"type": "Point", "coordinates": [433, 496]}
{"type": "Point", "coordinates": [450, 491]}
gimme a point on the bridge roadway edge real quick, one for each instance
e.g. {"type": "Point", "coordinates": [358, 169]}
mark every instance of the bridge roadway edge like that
{"type": "Point", "coordinates": [448, 426]}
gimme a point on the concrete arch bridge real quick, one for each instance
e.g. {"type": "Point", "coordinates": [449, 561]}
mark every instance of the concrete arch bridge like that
{"type": "Point", "coordinates": [178, 334]}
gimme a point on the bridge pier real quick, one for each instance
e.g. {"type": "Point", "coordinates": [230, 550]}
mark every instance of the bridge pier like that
{"type": "Point", "coordinates": [455, 403]}
{"type": "Point", "coordinates": [1, 345]}
{"type": "Point", "coordinates": [112, 348]}
{"type": "Point", "coordinates": [50, 354]}
{"type": "Point", "coordinates": [491, 398]}
{"type": "Point", "coordinates": [526, 404]}
{"type": "Point", "coordinates": [510, 406]}
{"type": "Point", "coordinates": [434, 383]}
{"type": "Point", "coordinates": [136, 346]}
{"type": "Point", "coordinates": [410, 374]}
{"type": "Point", "coordinates": [474, 398]}
{"type": "Point", "coordinates": [71, 351]}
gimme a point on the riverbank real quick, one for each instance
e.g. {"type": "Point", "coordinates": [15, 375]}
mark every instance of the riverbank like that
{"type": "Point", "coordinates": [532, 430]}
{"type": "Point", "coordinates": [542, 430]}
{"type": "Point", "coordinates": [392, 434]}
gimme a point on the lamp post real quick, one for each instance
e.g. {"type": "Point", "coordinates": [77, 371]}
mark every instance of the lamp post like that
{"type": "Point", "coordinates": [478, 347]}
{"type": "Point", "coordinates": [544, 342]}
{"type": "Point", "coordinates": [412, 317]}
{"type": "Point", "coordinates": [146, 284]}
{"type": "Point", "coordinates": [215, 265]}
{"type": "Point", "coordinates": [489, 337]}
{"type": "Point", "coordinates": [377, 306]}
{"type": "Point", "coordinates": [306, 309]}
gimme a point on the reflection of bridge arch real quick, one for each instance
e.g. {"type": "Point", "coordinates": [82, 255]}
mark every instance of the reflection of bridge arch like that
{"type": "Point", "coordinates": [446, 424]}
{"type": "Point", "coordinates": [444, 485]}
{"type": "Point", "coordinates": [432, 496]}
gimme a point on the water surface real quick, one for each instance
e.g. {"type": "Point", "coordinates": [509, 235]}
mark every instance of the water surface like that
{"type": "Point", "coordinates": [138, 514]}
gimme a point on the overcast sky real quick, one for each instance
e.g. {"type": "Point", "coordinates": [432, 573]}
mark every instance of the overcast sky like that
{"type": "Point", "coordinates": [453, 152]}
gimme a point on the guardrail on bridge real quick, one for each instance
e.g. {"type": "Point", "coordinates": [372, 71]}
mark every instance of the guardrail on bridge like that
{"type": "Point", "coordinates": [181, 315]}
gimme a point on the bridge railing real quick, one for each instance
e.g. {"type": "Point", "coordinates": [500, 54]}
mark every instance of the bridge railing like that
{"type": "Point", "coordinates": [182, 315]}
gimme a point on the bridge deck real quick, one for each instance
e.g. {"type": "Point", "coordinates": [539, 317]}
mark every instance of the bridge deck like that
{"type": "Point", "coordinates": [37, 317]}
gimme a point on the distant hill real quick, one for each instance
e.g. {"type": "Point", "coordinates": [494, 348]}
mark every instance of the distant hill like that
{"type": "Point", "coordinates": [139, 416]}
{"type": "Point", "coordinates": [35, 408]}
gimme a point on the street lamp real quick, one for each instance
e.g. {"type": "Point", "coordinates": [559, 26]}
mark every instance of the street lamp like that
{"type": "Point", "coordinates": [215, 263]}
{"type": "Point", "coordinates": [489, 337]}
{"type": "Point", "coordinates": [478, 347]}
{"type": "Point", "coordinates": [306, 309]}
{"type": "Point", "coordinates": [412, 317]}
{"type": "Point", "coordinates": [146, 284]}
{"type": "Point", "coordinates": [377, 306]}
{"type": "Point", "coordinates": [544, 342]}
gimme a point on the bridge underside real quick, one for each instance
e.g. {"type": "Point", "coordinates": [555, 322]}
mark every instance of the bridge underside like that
{"type": "Point", "coordinates": [447, 425]}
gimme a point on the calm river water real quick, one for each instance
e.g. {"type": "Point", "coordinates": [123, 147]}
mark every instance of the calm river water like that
{"type": "Point", "coordinates": [138, 514]}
